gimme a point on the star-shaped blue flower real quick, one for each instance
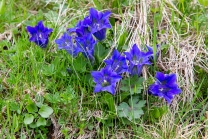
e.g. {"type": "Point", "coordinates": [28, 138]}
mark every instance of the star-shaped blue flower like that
{"type": "Point", "coordinates": [69, 44]}
{"type": "Point", "coordinates": [98, 22]}
{"type": "Point", "coordinates": [87, 44]}
{"type": "Point", "coordinates": [137, 59]}
{"type": "Point", "coordinates": [105, 80]}
{"type": "Point", "coordinates": [39, 34]}
{"type": "Point", "coordinates": [117, 62]}
{"type": "Point", "coordinates": [165, 86]}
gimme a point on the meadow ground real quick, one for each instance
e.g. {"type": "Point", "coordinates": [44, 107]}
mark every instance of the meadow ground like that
{"type": "Point", "coordinates": [40, 98]}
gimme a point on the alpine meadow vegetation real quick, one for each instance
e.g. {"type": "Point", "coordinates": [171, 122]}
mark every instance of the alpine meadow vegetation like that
{"type": "Point", "coordinates": [104, 69]}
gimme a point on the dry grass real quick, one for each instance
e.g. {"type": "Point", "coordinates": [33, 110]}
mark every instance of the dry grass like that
{"type": "Point", "coordinates": [185, 51]}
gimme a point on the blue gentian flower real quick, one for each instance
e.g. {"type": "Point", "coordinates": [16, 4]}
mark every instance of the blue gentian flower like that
{"type": "Point", "coordinates": [39, 34]}
{"type": "Point", "coordinates": [105, 80]}
{"type": "Point", "coordinates": [87, 44]}
{"type": "Point", "coordinates": [72, 32]}
{"type": "Point", "coordinates": [151, 53]}
{"type": "Point", "coordinates": [69, 44]}
{"type": "Point", "coordinates": [165, 86]}
{"type": "Point", "coordinates": [98, 22]}
{"type": "Point", "coordinates": [81, 29]}
{"type": "Point", "coordinates": [137, 59]}
{"type": "Point", "coordinates": [117, 62]}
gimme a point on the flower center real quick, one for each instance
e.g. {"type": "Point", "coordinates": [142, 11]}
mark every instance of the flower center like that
{"type": "Point", "coordinates": [67, 43]}
{"type": "Point", "coordinates": [73, 41]}
{"type": "Point", "coordinates": [87, 48]}
{"type": "Point", "coordinates": [97, 25]}
{"type": "Point", "coordinates": [140, 60]}
{"type": "Point", "coordinates": [73, 34]}
{"type": "Point", "coordinates": [105, 83]}
{"type": "Point", "coordinates": [135, 60]}
{"type": "Point", "coordinates": [163, 89]}
{"type": "Point", "coordinates": [40, 35]}
{"type": "Point", "coordinates": [117, 67]}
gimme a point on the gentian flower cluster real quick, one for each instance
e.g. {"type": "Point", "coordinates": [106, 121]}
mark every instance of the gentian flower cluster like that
{"type": "Point", "coordinates": [39, 34]}
{"type": "Point", "coordinates": [117, 65]}
{"type": "Point", "coordinates": [165, 86]}
{"type": "Point", "coordinates": [80, 39]}
{"type": "Point", "coordinates": [83, 38]}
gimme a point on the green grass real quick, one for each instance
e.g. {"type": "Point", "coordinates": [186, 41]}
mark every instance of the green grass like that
{"type": "Point", "coordinates": [29, 74]}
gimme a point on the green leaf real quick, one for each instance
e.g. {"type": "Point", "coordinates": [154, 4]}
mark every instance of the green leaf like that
{"type": "Point", "coordinates": [100, 52]}
{"type": "Point", "coordinates": [112, 21]}
{"type": "Point", "coordinates": [181, 1]}
{"type": "Point", "coordinates": [31, 107]}
{"type": "Point", "coordinates": [141, 104]}
{"type": "Point", "coordinates": [15, 123]}
{"type": "Point", "coordinates": [49, 70]}
{"type": "Point", "coordinates": [123, 96]}
{"type": "Point", "coordinates": [39, 100]}
{"type": "Point", "coordinates": [80, 63]}
{"type": "Point", "coordinates": [133, 110]}
{"type": "Point", "coordinates": [156, 113]}
{"type": "Point", "coordinates": [2, 7]}
{"type": "Point", "coordinates": [122, 40]}
{"type": "Point", "coordinates": [203, 2]}
{"type": "Point", "coordinates": [68, 95]}
{"type": "Point", "coordinates": [88, 79]}
{"type": "Point", "coordinates": [108, 99]}
{"type": "Point", "coordinates": [132, 84]}
{"type": "Point", "coordinates": [23, 136]}
{"type": "Point", "coordinates": [45, 111]}
{"type": "Point", "coordinates": [137, 114]}
{"type": "Point", "coordinates": [97, 4]}
{"type": "Point", "coordinates": [123, 109]}
{"type": "Point", "coordinates": [28, 119]}
{"type": "Point", "coordinates": [41, 122]}
{"type": "Point", "coordinates": [53, 98]}
{"type": "Point", "coordinates": [32, 125]}
{"type": "Point", "coordinates": [14, 106]}
{"type": "Point", "coordinates": [163, 110]}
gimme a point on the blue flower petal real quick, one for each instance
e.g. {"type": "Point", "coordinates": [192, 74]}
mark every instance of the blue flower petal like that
{"type": "Point", "coordinates": [160, 76]}
{"type": "Point", "coordinates": [94, 14]}
{"type": "Point", "coordinates": [98, 88]}
{"type": "Point", "coordinates": [100, 35]}
{"type": "Point", "coordinates": [31, 30]}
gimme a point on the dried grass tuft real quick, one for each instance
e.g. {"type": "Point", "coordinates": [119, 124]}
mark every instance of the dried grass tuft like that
{"type": "Point", "coordinates": [185, 50]}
